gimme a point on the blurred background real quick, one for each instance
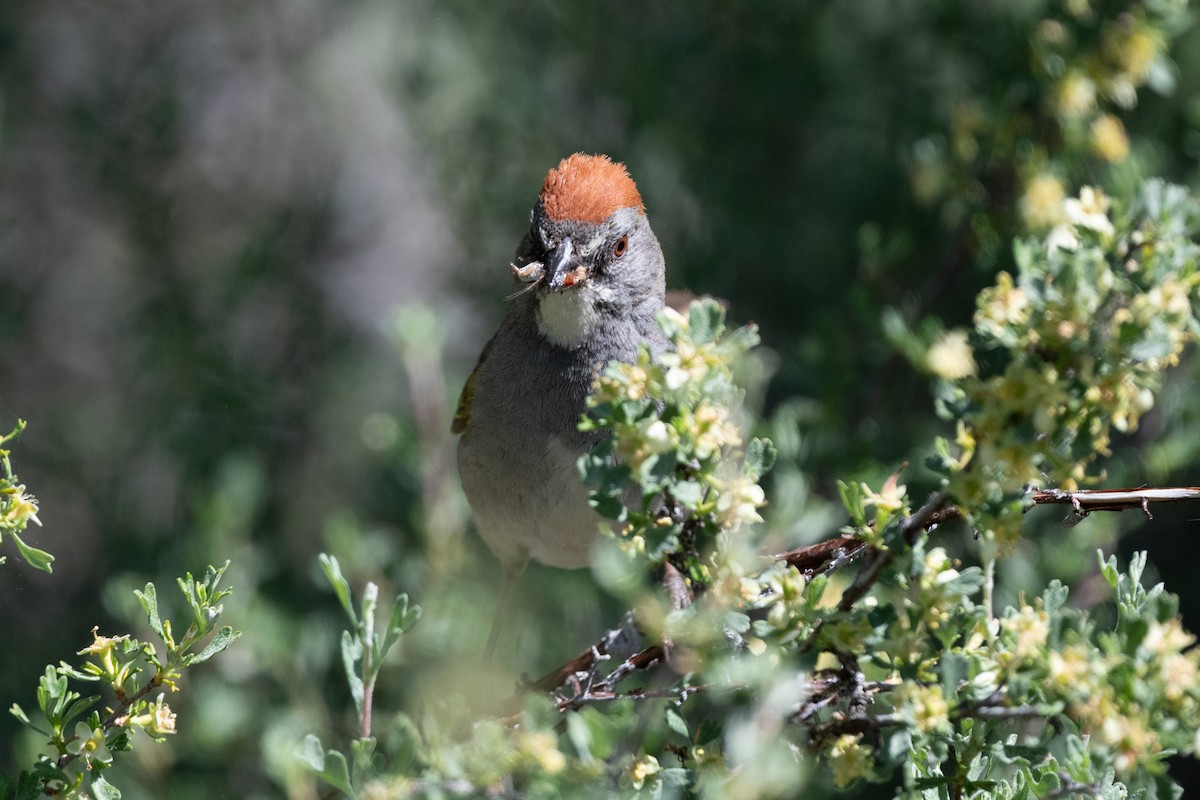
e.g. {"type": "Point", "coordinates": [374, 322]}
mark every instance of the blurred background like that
{"type": "Point", "coordinates": [250, 251]}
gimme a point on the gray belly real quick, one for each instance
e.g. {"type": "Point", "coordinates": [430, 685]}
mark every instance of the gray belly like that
{"type": "Point", "coordinates": [529, 504]}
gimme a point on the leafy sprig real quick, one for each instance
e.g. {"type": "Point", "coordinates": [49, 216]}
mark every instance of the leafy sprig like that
{"type": "Point", "coordinates": [18, 508]}
{"type": "Point", "coordinates": [85, 738]}
{"type": "Point", "coordinates": [364, 649]}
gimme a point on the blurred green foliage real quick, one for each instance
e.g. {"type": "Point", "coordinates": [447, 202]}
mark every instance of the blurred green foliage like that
{"type": "Point", "coordinates": [208, 213]}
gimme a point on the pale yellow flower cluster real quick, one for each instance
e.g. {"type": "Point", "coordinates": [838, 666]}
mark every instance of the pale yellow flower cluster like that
{"type": "Point", "coordinates": [1179, 670]}
{"type": "Point", "coordinates": [950, 357]}
{"type": "Point", "coordinates": [1164, 638]}
{"type": "Point", "coordinates": [1073, 672]}
{"type": "Point", "coordinates": [1079, 675]}
{"type": "Point", "coordinates": [1179, 675]}
{"type": "Point", "coordinates": [936, 600]}
{"type": "Point", "coordinates": [643, 768]}
{"type": "Point", "coordinates": [541, 747]}
{"type": "Point", "coordinates": [103, 651]}
{"type": "Point", "coordinates": [693, 382]}
{"type": "Point", "coordinates": [1127, 52]}
{"type": "Point", "coordinates": [779, 590]}
{"type": "Point", "coordinates": [891, 497]}
{"type": "Point", "coordinates": [1109, 139]}
{"type": "Point", "coordinates": [1075, 95]}
{"type": "Point", "coordinates": [739, 501]}
{"type": "Point", "coordinates": [1002, 307]}
{"type": "Point", "coordinates": [926, 706]}
{"type": "Point", "coordinates": [1170, 302]}
{"type": "Point", "coordinates": [1121, 728]}
{"type": "Point", "coordinates": [622, 382]}
{"type": "Point", "coordinates": [17, 508]}
{"type": "Point", "coordinates": [1133, 49]}
{"type": "Point", "coordinates": [158, 720]}
{"type": "Point", "coordinates": [848, 759]}
{"type": "Point", "coordinates": [1089, 211]}
{"type": "Point", "coordinates": [712, 429]}
{"type": "Point", "coordinates": [1030, 628]}
{"type": "Point", "coordinates": [636, 442]}
{"type": "Point", "coordinates": [1041, 204]}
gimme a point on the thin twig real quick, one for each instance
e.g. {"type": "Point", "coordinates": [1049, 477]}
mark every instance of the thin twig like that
{"type": "Point", "coordinates": [830, 554]}
{"type": "Point", "coordinates": [910, 527]}
{"type": "Point", "coordinates": [606, 696]}
{"type": "Point", "coordinates": [116, 716]}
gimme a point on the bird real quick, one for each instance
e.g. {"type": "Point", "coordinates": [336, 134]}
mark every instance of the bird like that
{"type": "Point", "coordinates": [589, 282]}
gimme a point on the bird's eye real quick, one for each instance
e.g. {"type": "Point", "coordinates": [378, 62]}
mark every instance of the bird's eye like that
{"type": "Point", "coordinates": [621, 246]}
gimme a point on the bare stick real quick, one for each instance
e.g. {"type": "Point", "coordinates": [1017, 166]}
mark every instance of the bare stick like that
{"type": "Point", "coordinates": [830, 554]}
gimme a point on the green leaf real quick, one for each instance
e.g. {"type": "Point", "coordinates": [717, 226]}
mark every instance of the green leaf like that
{"type": "Point", "coordinates": [852, 499]}
{"type": "Point", "coordinates": [225, 637]}
{"type": "Point", "coordinates": [677, 723]}
{"type": "Point", "coordinates": [955, 668]}
{"type": "Point", "coordinates": [14, 433]}
{"type": "Point", "coordinates": [1156, 343]}
{"type": "Point", "coordinates": [329, 765]}
{"type": "Point", "coordinates": [362, 753]}
{"type": "Point", "coordinates": [814, 590]}
{"type": "Point", "coordinates": [405, 748]}
{"type": "Point", "coordinates": [708, 731]}
{"type": "Point", "coordinates": [760, 457]}
{"type": "Point", "coordinates": [77, 708]}
{"type": "Point", "coordinates": [352, 651]}
{"type": "Point", "coordinates": [689, 494]}
{"type": "Point", "coordinates": [1054, 597]}
{"type": "Point", "coordinates": [148, 597]}
{"type": "Point", "coordinates": [367, 607]}
{"type": "Point", "coordinates": [401, 621]}
{"type": "Point", "coordinates": [333, 572]}
{"type": "Point", "coordinates": [706, 320]}
{"type": "Point", "coordinates": [1108, 569]}
{"type": "Point", "coordinates": [28, 787]}
{"type": "Point", "coordinates": [403, 617]}
{"type": "Point", "coordinates": [608, 506]}
{"type": "Point", "coordinates": [33, 556]}
{"type": "Point", "coordinates": [103, 790]}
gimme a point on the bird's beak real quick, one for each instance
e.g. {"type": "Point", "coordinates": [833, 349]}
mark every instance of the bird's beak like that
{"type": "Point", "coordinates": [564, 267]}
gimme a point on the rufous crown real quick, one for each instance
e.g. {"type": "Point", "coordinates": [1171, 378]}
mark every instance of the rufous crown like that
{"type": "Point", "coordinates": [588, 189]}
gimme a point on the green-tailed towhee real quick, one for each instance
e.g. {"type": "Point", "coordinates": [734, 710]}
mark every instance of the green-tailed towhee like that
{"type": "Point", "coordinates": [591, 283]}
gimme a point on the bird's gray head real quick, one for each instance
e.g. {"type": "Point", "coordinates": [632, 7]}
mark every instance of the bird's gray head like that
{"type": "Point", "coordinates": [589, 256]}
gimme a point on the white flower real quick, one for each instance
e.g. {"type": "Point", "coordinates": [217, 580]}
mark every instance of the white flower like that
{"type": "Point", "coordinates": [1089, 211]}
{"type": "Point", "coordinates": [656, 435]}
{"type": "Point", "coordinates": [739, 503]}
{"type": "Point", "coordinates": [645, 767]}
{"type": "Point", "coordinates": [676, 378]}
{"type": "Point", "coordinates": [1061, 238]}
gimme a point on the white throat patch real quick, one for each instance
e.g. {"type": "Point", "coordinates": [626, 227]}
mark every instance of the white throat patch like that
{"type": "Point", "coordinates": [568, 318]}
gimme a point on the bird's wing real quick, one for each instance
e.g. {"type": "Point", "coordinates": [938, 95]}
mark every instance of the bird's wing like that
{"type": "Point", "coordinates": [462, 414]}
